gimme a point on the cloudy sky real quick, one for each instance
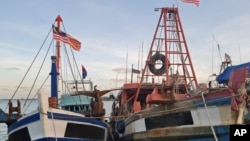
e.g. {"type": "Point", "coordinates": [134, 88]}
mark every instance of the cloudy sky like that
{"type": "Point", "coordinates": [110, 29]}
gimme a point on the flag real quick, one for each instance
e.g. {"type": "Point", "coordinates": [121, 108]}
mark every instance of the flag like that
{"type": "Point", "coordinates": [84, 72]}
{"type": "Point", "coordinates": [135, 71]}
{"type": "Point", "coordinates": [74, 43]}
{"type": "Point", "coordinates": [196, 2]}
{"type": "Point", "coordinates": [59, 35]}
{"type": "Point", "coordinates": [228, 58]}
{"type": "Point", "coordinates": [66, 38]}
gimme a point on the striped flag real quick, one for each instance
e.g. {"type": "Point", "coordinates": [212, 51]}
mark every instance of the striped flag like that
{"type": "Point", "coordinates": [196, 2]}
{"type": "Point", "coordinates": [74, 43]}
{"type": "Point", "coordinates": [66, 38]}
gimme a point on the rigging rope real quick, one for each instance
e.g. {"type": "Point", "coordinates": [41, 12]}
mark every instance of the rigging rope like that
{"type": "Point", "coordinates": [209, 118]}
{"type": "Point", "coordinates": [53, 121]}
{"type": "Point", "coordinates": [36, 94]}
{"type": "Point", "coordinates": [181, 108]}
{"type": "Point", "coordinates": [38, 73]}
{"type": "Point", "coordinates": [29, 67]}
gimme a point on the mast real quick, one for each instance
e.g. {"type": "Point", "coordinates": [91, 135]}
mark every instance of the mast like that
{"type": "Point", "coordinates": [55, 69]}
{"type": "Point", "coordinates": [168, 59]}
{"type": "Point", "coordinates": [58, 20]}
{"type": "Point", "coordinates": [58, 53]}
{"type": "Point", "coordinates": [54, 80]}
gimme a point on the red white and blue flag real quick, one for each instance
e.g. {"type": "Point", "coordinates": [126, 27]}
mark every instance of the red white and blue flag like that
{"type": "Point", "coordinates": [196, 2]}
{"type": "Point", "coordinates": [66, 38]}
{"type": "Point", "coordinates": [84, 72]}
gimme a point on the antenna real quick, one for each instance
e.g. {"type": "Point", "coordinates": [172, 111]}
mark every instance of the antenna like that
{"type": "Point", "coordinates": [240, 54]}
{"type": "Point", "coordinates": [218, 45]}
{"type": "Point", "coordinates": [126, 66]}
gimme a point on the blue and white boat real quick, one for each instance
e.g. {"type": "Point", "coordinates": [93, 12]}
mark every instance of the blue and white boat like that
{"type": "Point", "coordinates": [48, 121]}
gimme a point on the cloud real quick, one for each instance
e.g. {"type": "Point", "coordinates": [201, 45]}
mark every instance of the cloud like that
{"type": "Point", "coordinates": [13, 69]}
{"type": "Point", "coordinates": [119, 69]}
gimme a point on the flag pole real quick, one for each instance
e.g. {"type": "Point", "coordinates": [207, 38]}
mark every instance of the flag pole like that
{"type": "Point", "coordinates": [126, 66]}
{"type": "Point", "coordinates": [132, 74]}
{"type": "Point", "coordinates": [58, 55]}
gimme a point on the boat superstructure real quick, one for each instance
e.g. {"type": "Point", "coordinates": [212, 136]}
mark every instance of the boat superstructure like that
{"type": "Point", "coordinates": [168, 103]}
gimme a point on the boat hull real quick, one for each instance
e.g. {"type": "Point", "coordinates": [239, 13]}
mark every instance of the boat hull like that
{"type": "Point", "coordinates": [191, 133]}
{"type": "Point", "coordinates": [190, 125]}
{"type": "Point", "coordinates": [48, 123]}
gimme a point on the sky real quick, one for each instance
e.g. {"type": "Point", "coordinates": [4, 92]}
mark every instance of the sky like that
{"type": "Point", "coordinates": [112, 31]}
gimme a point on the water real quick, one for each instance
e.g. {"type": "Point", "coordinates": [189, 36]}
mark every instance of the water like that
{"type": "Point", "coordinates": [30, 106]}
{"type": "Point", "coordinates": [3, 132]}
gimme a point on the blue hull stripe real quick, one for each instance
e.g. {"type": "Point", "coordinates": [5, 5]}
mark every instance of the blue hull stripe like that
{"type": "Point", "coordinates": [35, 117]}
{"type": "Point", "coordinates": [214, 101]}
{"type": "Point", "coordinates": [62, 139]}
{"type": "Point", "coordinates": [24, 121]}
{"type": "Point", "coordinates": [60, 116]}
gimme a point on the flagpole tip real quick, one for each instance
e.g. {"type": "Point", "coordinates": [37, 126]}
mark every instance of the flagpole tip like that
{"type": "Point", "coordinates": [58, 19]}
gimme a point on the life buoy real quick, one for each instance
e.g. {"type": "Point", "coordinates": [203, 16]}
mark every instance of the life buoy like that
{"type": "Point", "coordinates": [152, 64]}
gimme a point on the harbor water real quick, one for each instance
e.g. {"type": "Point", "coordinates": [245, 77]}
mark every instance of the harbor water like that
{"type": "Point", "coordinates": [29, 106]}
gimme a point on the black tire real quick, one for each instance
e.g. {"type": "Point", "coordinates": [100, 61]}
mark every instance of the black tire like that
{"type": "Point", "coordinates": [152, 66]}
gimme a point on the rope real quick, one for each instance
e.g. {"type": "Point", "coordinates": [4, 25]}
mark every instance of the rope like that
{"type": "Point", "coordinates": [71, 70]}
{"type": "Point", "coordinates": [38, 73]}
{"type": "Point", "coordinates": [165, 111]}
{"type": "Point", "coordinates": [176, 109]}
{"type": "Point", "coordinates": [209, 118]}
{"type": "Point", "coordinates": [53, 123]}
{"type": "Point", "coordinates": [36, 94]}
{"type": "Point", "coordinates": [29, 68]}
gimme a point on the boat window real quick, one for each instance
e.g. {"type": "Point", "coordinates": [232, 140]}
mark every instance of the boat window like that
{"type": "Point", "coordinates": [82, 107]}
{"type": "Point", "coordinates": [20, 135]}
{"type": "Point", "coordinates": [172, 119]}
{"type": "Point", "coordinates": [84, 131]}
{"type": "Point", "coordinates": [71, 108]}
{"type": "Point", "coordinates": [66, 107]}
{"type": "Point", "coordinates": [76, 108]}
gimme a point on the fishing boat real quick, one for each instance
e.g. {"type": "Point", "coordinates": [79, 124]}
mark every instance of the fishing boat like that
{"type": "Point", "coordinates": [51, 121]}
{"type": "Point", "coordinates": [168, 103]}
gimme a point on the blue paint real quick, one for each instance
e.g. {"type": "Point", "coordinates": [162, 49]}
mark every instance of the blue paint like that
{"type": "Point", "coordinates": [62, 139]}
{"type": "Point", "coordinates": [54, 74]}
{"type": "Point", "coordinates": [26, 120]}
{"type": "Point", "coordinates": [60, 116]}
{"type": "Point", "coordinates": [217, 101]}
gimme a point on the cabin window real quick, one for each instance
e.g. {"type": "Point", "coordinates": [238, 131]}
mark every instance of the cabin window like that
{"type": "Point", "coordinates": [81, 107]}
{"type": "Point", "coordinates": [77, 108]}
{"type": "Point", "coordinates": [84, 131]}
{"type": "Point", "coordinates": [71, 108]}
{"type": "Point", "coordinates": [20, 135]}
{"type": "Point", "coordinates": [172, 119]}
{"type": "Point", "coordinates": [66, 108]}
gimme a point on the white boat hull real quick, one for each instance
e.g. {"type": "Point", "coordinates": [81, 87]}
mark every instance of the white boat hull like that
{"type": "Point", "coordinates": [55, 124]}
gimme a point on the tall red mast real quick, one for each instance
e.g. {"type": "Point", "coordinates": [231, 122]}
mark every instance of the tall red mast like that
{"type": "Point", "coordinates": [168, 58]}
{"type": "Point", "coordinates": [53, 100]}
{"type": "Point", "coordinates": [58, 20]}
